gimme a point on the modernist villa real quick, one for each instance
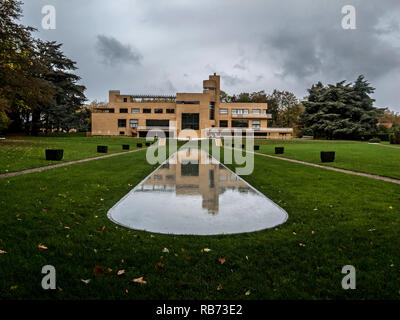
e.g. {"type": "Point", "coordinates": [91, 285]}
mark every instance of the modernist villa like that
{"type": "Point", "coordinates": [136, 115]}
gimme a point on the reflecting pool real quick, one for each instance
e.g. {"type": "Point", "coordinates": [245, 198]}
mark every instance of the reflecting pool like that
{"type": "Point", "coordinates": [193, 193]}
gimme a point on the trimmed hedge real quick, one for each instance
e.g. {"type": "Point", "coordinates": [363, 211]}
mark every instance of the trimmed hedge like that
{"type": "Point", "coordinates": [327, 156]}
{"type": "Point", "coordinates": [54, 154]}
{"type": "Point", "coordinates": [102, 149]}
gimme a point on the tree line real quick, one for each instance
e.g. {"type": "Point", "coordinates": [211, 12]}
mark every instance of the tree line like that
{"type": "Point", "coordinates": [284, 106]}
{"type": "Point", "coordinates": [38, 86]}
{"type": "Point", "coordinates": [334, 111]}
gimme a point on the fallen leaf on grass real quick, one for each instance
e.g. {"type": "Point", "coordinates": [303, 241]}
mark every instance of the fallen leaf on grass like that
{"type": "Point", "coordinates": [42, 247]}
{"type": "Point", "coordinates": [205, 250]}
{"type": "Point", "coordinates": [139, 280]}
{"type": "Point", "coordinates": [302, 245]}
{"type": "Point", "coordinates": [13, 287]}
{"type": "Point", "coordinates": [120, 272]}
{"type": "Point", "coordinates": [165, 250]}
{"type": "Point", "coordinates": [98, 270]}
{"type": "Point", "coordinates": [101, 228]}
{"type": "Point", "coordinates": [219, 288]}
{"type": "Point", "coordinates": [159, 265]}
{"type": "Point", "coordinates": [186, 256]}
{"type": "Point", "coordinates": [248, 292]}
{"type": "Point", "coordinates": [85, 281]}
{"type": "Point", "coordinates": [222, 260]}
{"type": "Point", "coordinates": [3, 252]}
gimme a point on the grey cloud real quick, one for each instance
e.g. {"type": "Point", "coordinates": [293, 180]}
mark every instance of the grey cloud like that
{"type": "Point", "coordinates": [241, 65]}
{"type": "Point", "coordinates": [253, 45]}
{"type": "Point", "coordinates": [231, 80]}
{"type": "Point", "coordinates": [114, 52]}
{"type": "Point", "coordinates": [322, 48]}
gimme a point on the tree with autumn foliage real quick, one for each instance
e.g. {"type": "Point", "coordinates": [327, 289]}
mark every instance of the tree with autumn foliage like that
{"type": "Point", "coordinates": [37, 87]}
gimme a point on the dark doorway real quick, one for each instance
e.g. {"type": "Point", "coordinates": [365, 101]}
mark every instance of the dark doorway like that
{"type": "Point", "coordinates": [190, 121]}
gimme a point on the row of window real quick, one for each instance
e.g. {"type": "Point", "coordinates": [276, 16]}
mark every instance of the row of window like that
{"type": "Point", "coordinates": [243, 111]}
{"type": "Point", "coordinates": [212, 107]}
{"type": "Point", "coordinates": [239, 124]}
{"type": "Point", "coordinates": [190, 121]}
{"type": "Point", "coordinates": [146, 110]}
{"type": "Point", "coordinates": [133, 123]}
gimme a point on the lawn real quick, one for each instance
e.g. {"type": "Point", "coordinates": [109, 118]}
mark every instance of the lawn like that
{"type": "Point", "coordinates": [22, 153]}
{"type": "Point", "coordinates": [339, 219]}
{"type": "Point", "coordinates": [351, 155]}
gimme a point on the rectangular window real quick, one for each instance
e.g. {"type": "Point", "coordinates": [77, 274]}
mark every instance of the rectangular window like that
{"type": "Point", "coordinates": [188, 102]}
{"type": "Point", "coordinates": [121, 133]}
{"type": "Point", "coordinates": [189, 169]}
{"type": "Point", "coordinates": [256, 111]}
{"type": "Point", "coordinates": [209, 88]}
{"type": "Point", "coordinates": [125, 99]}
{"type": "Point", "coordinates": [211, 178]}
{"type": "Point", "coordinates": [265, 111]}
{"type": "Point", "coordinates": [240, 111]}
{"type": "Point", "coordinates": [212, 110]}
{"type": "Point", "coordinates": [190, 121]}
{"type": "Point", "coordinates": [121, 123]}
{"type": "Point", "coordinates": [223, 123]}
{"type": "Point", "coordinates": [123, 110]}
{"type": "Point", "coordinates": [158, 110]}
{"type": "Point", "coordinates": [170, 110]}
{"type": "Point", "coordinates": [240, 123]}
{"type": "Point", "coordinates": [223, 111]}
{"type": "Point", "coordinates": [256, 124]}
{"type": "Point", "coordinates": [157, 123]}
{"type": "Point", "coordinates": [135, 110]}
{"type": "Point", "coordinates": [133, 123]}
{"type": "Point", "coordinates": [146, 110]}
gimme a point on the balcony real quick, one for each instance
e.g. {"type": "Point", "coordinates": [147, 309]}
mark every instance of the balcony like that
{"type": "Point", "coordinates": [262, 129]}
{"type": "Point", "coordinates": [154, 128]}
{"type": "Point", "coordinates": [252, 116]}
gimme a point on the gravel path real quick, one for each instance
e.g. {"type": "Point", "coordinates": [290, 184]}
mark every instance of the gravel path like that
{"type": "Point", "coordinates": [63, 164]}
{"type": "Point", "coordinates": [356, 173]}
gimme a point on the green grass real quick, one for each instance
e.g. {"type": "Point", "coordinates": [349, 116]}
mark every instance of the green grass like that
{"type": "Point", "coordinates": [22, 153]}
{"type": "Point", "coordinates": [341, 219]}
{"type": "Point", "coordinates": [351, 155]}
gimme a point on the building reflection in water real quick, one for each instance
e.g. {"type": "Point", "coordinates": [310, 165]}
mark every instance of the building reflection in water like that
{"type": "Point", "coordinates": [192, 193]}
{"type": "Point", "coordinates": [186, 173]}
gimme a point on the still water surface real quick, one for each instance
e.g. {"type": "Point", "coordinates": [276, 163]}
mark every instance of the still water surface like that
{"type": "Point", "coordinates": [193, 193]}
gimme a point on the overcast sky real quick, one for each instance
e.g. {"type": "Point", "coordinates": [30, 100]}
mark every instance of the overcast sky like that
{"type": "Point", "coordinates": [169, 46]}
